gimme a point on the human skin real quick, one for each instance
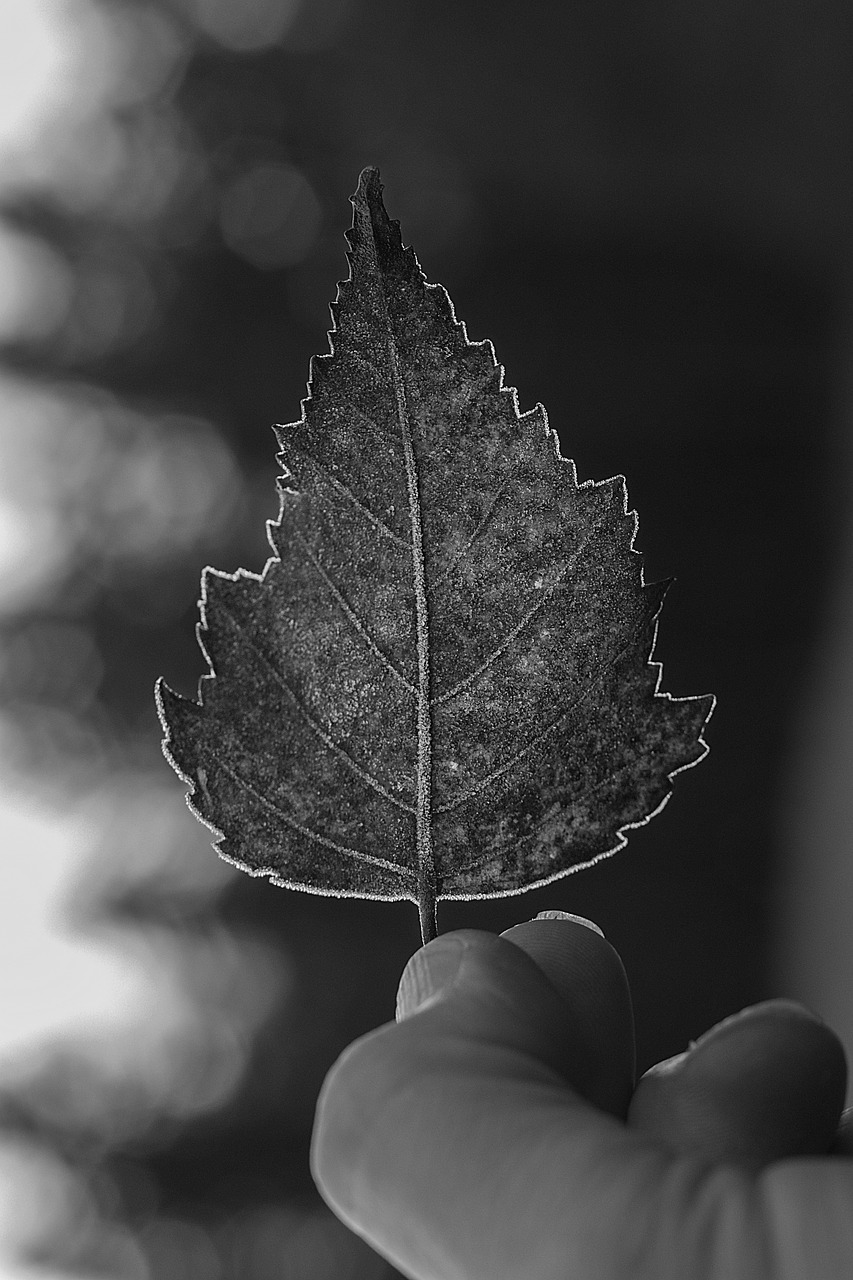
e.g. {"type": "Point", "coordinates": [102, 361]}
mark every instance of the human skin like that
{"type": "Point", "coordinates": [495, 1130]}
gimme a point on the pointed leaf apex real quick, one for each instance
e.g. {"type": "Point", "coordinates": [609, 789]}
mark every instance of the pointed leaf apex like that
{"type": "Point", "coordinates": [368, 204]}
{"type": "Point", "coordinates": [368, 185]}
{"type": "Point", "coordinates": [371, 225]}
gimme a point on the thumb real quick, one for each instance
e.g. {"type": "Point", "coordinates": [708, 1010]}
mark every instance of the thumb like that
{"type": "Point", "coordinates": [570, 1008]}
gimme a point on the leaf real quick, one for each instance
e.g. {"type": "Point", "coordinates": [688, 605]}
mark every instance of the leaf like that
{"type": "Point", "coordinates": [441, 685]}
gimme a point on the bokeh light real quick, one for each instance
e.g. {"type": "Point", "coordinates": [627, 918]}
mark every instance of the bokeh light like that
{"type": "Point", "coordinates": [270, 216]}
{"type": "Point", "coordinates": [37, 287]}
{"type": "Point", "coordinates": [125, 1004]}
{"type": "Point", "coordinates": [49, 1221]}
{"type": "Point", "coordinates": [38, 71]}
{"type": "Point", "coordinates": [88, 483]}
{"type": "Point", "coordinates": [252, 25]}
{"type": "Point", "coordinates": [80, 81]}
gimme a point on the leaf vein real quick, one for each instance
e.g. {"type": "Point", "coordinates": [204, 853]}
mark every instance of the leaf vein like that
{"type": "Point", "coordinates": [348, 493]}
{"type": "Point", "coordinates": [488, 854]}
{"type": "Point", "coordinates": [316, 728]}
{"type": "Point", "coordinates": [546, 732]}
{"type": "Point", "coordinates": [355, 620]}
{"type": "Point", "coordinates": [511, 635]}
{"type": "Point", "coordinates": [461, 554]}
{"type": "Point", "coordinates": [307, 831]}
{"type": "Point", "coordinates": [378, 435]}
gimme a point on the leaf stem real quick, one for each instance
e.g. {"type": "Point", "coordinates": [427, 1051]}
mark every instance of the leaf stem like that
{"type": "Point", "coordinates": [427, 910]}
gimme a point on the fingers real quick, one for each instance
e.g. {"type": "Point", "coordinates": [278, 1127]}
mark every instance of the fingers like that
{"type": "Point", "coordinates": [590, 1037]}
{"type": "Point", "coordinates": [767, 1083]}
{"type": "Point", "coordinates": [459, 1142]}
{"type": "Point", "coordinates": [762, 1085]}
{"type": "Point", "coordinates": [456, 1145]}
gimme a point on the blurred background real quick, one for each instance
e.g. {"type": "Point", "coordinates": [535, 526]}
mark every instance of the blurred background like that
{"type": "Point", "coordinates": [648, 210]}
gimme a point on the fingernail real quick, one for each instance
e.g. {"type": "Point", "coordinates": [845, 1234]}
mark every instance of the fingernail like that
{"type": "Point", "coordinates": [430, 972]}
{"type": "Point", "coordinates": [566, 915]}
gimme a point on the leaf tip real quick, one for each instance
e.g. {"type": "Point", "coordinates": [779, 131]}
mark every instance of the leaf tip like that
{"type": "Point", "coordinates": [369, 185]}
{"type": "Point", "coordinates": [371, 220]}
{"type": "Point", "coordinates": [367, 200]}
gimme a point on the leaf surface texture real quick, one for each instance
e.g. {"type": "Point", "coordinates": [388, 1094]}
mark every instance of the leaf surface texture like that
{"type": "Point", "coordinates": [441, 685]}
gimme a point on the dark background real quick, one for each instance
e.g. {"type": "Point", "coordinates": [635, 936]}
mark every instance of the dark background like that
{"type": "Point", "coordinates": [647, 210]}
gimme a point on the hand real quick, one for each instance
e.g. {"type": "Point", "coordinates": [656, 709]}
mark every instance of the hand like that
{"type": "Point", "coordinates": [495, 1133]}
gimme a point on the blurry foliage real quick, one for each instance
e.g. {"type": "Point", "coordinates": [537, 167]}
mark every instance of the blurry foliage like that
{"type": "Point", "coordinates": [173, 178]}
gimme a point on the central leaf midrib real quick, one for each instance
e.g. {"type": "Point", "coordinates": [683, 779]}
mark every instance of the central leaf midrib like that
{"type": "Point", "coordinates": [426, 869]}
